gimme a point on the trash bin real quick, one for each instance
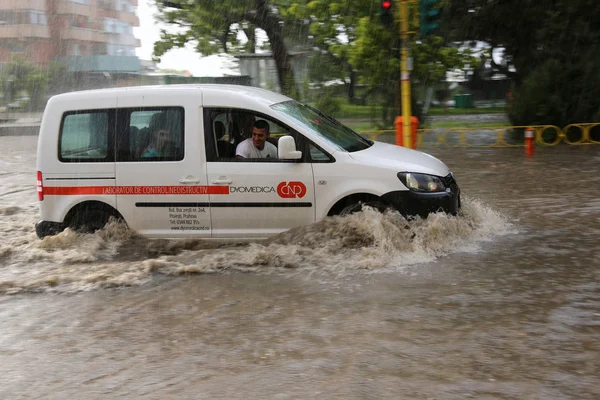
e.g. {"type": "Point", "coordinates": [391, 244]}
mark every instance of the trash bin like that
{"type": "Point", "coordinates": [467, 101]}
{"type": "Point", "coordinates": [463, 101]}
{"type": "Point", "coordinates": [458, 101]}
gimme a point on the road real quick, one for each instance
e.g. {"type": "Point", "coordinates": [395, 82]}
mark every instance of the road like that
{"type": "Point", "coordinates": [501, 302]}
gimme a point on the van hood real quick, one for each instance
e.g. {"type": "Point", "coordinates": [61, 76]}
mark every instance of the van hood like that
{"type": "Point", "coordinates": [401, 159]}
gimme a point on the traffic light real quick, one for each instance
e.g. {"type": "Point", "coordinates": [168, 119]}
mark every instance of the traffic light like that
{"type": "Point", "coordinates": [386, 15]}
{"type": "Point", "coordinates": [430, 16]}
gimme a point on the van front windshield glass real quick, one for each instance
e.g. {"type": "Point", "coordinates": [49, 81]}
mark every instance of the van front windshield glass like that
{"type": "Point", "coordinates": [323, 125]}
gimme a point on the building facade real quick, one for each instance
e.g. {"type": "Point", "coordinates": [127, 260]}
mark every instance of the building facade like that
{"type": "Point", "coordinates": [88, 36]}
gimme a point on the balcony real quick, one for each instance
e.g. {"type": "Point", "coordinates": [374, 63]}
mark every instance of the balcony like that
{"type": "Point", "coordinates": [128, 17]}
{"type": "Point", "coordinates": [123, 39]}
{"type": "Point", "coordinates": [24, 31]}
{"type": "Point", "coordinates": [116, 64]}
{"type": "Point", "coordinates": [70, 8]}
{"type": "Point", "coordinates": [83, 34]}
{"type": "Point", "coordinates": [39, 5]}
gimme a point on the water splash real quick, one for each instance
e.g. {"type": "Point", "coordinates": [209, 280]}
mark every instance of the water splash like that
{"type": "Point", "coordinates": [364, 241]}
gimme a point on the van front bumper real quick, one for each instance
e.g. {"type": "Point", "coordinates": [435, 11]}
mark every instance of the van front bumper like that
{"type": "Point", "coordinates": [410, 203]}
{"type": "Point", "coordinates": [48, 228]}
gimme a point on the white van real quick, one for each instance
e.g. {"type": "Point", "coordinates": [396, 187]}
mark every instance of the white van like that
{"type": "Point", "coordinates": [97, 158]}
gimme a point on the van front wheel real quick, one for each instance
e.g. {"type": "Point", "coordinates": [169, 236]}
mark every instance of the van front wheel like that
{"type": "Point", "coordinates": [356, 207]}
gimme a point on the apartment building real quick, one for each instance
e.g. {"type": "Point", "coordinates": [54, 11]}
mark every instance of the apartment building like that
{"type": "Point", "coordinates": [89, 36]}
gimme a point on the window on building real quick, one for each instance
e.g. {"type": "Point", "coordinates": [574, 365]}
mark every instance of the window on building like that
{"type": "Point", "coordinates": [124, 5]}
{"type": "Point", "coordinates": [105, 4]}
{"type": "Point", "coordinates": [11, 17]}
{"type": "Point", "coordinates": [17, 47]}
{"type": "Point", "coordinates": [110, 25]}
{"type": "Point", "coordinates": [79, 22]}
{"type": "Point", "coordinates": [24, 17]}
{"type": "Point", "coordinates": [37, 17]}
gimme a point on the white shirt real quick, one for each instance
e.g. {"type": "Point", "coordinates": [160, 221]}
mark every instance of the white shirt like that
{"type": "Point", "coordinates": [247, 149]}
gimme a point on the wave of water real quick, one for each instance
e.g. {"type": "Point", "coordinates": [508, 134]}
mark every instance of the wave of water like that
{"type": "Point", "coordinates": [365, 241]}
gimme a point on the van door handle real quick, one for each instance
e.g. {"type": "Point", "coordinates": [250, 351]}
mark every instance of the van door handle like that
{"type": "Point", "coordinates": [189, 179]}
{"type": "Point", "coordinates": [222, 181]}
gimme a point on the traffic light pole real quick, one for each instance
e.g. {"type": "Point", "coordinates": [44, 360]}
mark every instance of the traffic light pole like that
{"type": "Point", "coordinates": [405, 76]}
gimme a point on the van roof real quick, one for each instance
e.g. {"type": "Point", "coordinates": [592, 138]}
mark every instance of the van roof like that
{"type": "Point", "coordinates": [210, 89]}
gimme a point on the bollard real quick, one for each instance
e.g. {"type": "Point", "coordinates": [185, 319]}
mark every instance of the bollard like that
{"type": "Point", "coordinates": [414, 125]}
{"type": "Point", "coordinates": [399, 137]}
{"type": "Point", "coordinates": [529, 141]}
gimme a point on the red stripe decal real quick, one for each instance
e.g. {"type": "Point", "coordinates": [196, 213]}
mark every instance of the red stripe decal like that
{"type": "Point", "coordinates": [133, 190]}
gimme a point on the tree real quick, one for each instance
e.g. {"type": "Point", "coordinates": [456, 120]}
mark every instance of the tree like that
{"type": "Point", "coordinates": [214, 25]}
{"type": "Point", "coordinates": [375, 53]}
{"type": "Point", "coordinates": [333, 26]}
{"type": "Point", "coordinates": [355, 47]}
{"type": "Point", "coordinates": [551, 49]}
{"type": "Point", "coordinates": [351, 43]}
{"type": "Point", "coordinates": [21, 76]}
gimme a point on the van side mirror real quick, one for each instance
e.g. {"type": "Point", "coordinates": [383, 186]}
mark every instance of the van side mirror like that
{"type": "Point", "coordinates": [287, 149]}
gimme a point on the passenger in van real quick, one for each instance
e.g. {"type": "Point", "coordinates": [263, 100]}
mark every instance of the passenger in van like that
{"type": "Point", "coordinates": [159, 144]}
{"type": "Point", "coordinates": [241, 127]}
{"type": "Point", "coordinates": [160, 137]}
{"type": "Point", "coordinates": [224, 148]}
{"type": "Point", "coordinates": [258, 145]}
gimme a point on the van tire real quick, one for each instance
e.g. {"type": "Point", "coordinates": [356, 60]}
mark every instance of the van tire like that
{"type": "Point", "coordinates": [356, 207]}
{"type": "Point", "coordinates": [90, 217]}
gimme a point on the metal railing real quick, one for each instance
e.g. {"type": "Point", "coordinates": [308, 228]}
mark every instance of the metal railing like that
{"type": "Point", "coordinates": [501, 136]}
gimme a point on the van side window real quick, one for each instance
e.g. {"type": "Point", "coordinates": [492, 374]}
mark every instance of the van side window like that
{"type": "Point", "coordinates": [317, 155]}
{"type": "Point", "coordinates": [150, 134]}
{"type": "Point", "coordinates": [225, 129]}
{"type": "Point", "coordinates": [86, 136]}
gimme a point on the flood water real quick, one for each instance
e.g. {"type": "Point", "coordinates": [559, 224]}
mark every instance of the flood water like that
{"type": "Point", "coordinates": [501, 302]}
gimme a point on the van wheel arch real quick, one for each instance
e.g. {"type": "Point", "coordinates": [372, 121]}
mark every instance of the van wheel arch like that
{"type": "Point", "coordinates": [354, 202]}
{"type": "Point", "coordinates": [90, 216]}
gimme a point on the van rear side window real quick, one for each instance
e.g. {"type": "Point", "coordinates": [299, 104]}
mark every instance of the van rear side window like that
{"type": "Point", "coordinates": [84, 137]}
{"type": "Point", "coordinates": [150, 134]}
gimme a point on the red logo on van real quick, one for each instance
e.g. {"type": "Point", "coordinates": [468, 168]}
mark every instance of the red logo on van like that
{"type": "Point", "coordinates": [289, 190]}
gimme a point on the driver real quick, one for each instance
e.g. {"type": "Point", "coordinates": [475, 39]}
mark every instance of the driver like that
{"type": "Point", "coordinates": [258, 146]}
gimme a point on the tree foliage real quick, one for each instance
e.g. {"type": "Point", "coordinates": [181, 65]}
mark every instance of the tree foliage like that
{"type": "Point", "coordinates": [551, 49]}
{"type": "Point", "coordinates": [373, 51]}
{"type": "Point", "coordinates": [351, 43]}
{"type": "Point", "coordinates": [350, 33]}
{"type": "Point", "coordinates": [214, 25]}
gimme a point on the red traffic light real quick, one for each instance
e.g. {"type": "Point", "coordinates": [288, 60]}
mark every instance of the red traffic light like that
{"type": "Point", "coordinates": [386, 5]}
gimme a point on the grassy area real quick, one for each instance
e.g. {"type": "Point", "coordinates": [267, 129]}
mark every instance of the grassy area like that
{"type": "Point", "coordinates": [356, 111]}
{"type": "Point", "coordinates": [369, 111]}
{"type": "Point", "coordinates": [361, 126]}
{"type": "Point", "coordinates": [435, 111]}
{"type": "Point", "coordinates": [460, 124]}
{"type": "Point", "coordinates": [368, 118]}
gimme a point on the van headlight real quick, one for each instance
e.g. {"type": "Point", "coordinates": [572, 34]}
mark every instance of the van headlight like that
{"type": "Point", "coordinates": [421, 182]}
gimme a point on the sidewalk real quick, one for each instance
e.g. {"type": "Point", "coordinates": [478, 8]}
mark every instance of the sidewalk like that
{"type": "Point", "coordinates": [16, 123]}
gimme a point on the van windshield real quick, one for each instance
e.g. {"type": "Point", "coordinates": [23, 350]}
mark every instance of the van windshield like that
{"type": "Point", "coordinates": [323, 125]}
